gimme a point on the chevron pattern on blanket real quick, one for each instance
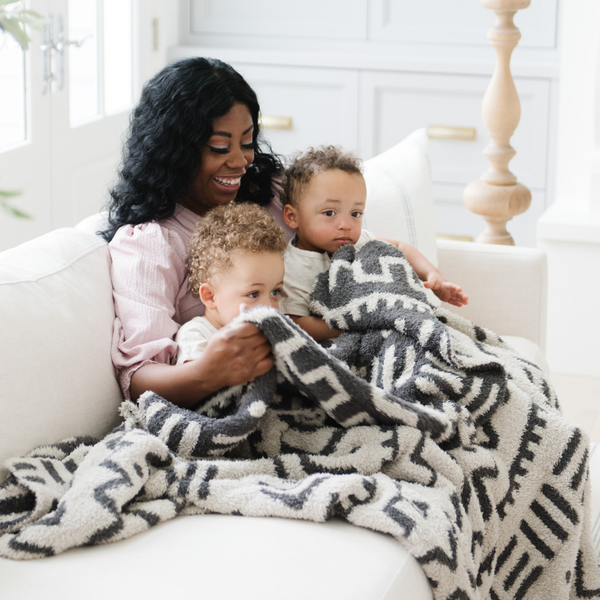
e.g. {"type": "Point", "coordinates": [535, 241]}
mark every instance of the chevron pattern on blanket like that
{"type": "Point", "coordinates": [414, 422]}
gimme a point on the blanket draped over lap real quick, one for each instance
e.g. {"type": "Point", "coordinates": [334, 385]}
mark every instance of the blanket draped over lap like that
{"type": "Point", "coordinates": [415, 422]}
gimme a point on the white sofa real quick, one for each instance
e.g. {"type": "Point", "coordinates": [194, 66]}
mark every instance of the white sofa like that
{"type": "Point", "coordinates": [57, 381]}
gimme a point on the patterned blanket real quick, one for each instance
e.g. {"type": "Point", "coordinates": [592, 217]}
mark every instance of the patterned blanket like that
{"type": "Point", "coordinates": [415, 422]}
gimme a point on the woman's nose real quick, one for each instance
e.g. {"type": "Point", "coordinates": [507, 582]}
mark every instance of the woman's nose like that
{"type": "Point", "coordinates": [237, 159]}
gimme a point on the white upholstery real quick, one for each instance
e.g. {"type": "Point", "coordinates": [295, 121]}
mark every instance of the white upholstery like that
{"type": "Point", "coordinates": [400, 194]}
{"type": "Point", "coordinates": [58, 381]}
{"type": "Point", "coordinates": [507, 286]}
{"type": "Point", "coordinates": [56, 326]}
{"type": "Point", "coordinates": [227, 557]}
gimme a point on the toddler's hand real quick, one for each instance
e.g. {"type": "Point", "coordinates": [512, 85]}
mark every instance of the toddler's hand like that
{"type": "Point", "coordinates": [446, 291]}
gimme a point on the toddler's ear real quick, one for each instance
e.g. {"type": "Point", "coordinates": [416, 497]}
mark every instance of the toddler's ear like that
{"type": "Point", "coordinates": [207, 296]}
{"type": "Point", "coordinates": [289, 216]}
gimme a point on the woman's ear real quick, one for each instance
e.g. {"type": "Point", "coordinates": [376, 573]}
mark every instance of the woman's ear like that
{"type": "Point", "coordinates": [207, 296]}
{"type": "Point", "coordinates": [289, 216]}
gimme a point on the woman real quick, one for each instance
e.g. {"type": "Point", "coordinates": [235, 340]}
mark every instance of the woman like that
{"type": "Point", "coordinates": [193, 145]}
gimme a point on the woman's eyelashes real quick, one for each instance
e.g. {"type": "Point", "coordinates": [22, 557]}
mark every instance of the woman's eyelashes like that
{"type": "Point", "coordinates": [225, 149]}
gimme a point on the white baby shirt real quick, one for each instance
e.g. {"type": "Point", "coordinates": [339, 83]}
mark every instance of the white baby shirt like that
{"type": "Point", "coordinates": [192, 338]}
{"type": "Point", "coordinates": [302, 267]}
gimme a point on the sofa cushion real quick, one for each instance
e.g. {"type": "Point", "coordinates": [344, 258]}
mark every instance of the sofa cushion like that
{"type": "Point", "coordinates": [57, 318]}
{"type": "Point", "coordinates": [400, 194]}
{"type": "Point", "coordinates": [227, 557]}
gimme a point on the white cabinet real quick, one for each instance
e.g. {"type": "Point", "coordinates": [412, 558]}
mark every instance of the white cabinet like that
{"type": "Point", "coordinates": [366, 73]}
{"type": "Point", "coordinates": [320, 104]}
{"type": "Point", "coordinates": [457, 22]}
{"type": "Point", "coordinates": [395, 104]}
{"type": "Point", "coordinates": [337, 19]}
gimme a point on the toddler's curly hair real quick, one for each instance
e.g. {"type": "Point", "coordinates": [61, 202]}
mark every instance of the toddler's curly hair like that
{"type": "Point", "coordinates": [225, 231]}
{"type": "Point", "coordinates": [304, 165]}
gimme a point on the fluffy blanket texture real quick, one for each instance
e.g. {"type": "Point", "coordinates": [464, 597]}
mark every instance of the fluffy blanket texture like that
{"type": "Point", "coordinates": [415, 422]}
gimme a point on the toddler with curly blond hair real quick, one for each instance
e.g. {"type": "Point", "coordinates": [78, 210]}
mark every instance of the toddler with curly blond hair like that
{"type": "Point", "coordinates": [235, 263]}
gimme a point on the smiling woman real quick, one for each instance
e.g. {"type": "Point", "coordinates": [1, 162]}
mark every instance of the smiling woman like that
{"type": "Point", "coordinates": [193, 145]}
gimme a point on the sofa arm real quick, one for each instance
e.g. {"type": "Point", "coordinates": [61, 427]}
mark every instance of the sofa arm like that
{"type": "Point", "coordinates": [507, 286]}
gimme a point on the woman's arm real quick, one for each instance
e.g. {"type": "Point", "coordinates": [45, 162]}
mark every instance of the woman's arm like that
{"type": "Point", "coordinates": [430, 275]}
{"type": "Point", "coordinates": [235, 355]}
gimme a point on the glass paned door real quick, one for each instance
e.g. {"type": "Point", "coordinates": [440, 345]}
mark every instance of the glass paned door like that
{"type": "Point", "coordinates": [83, 61]}
{"type": "Point", "coordinates": [12, 99]}
{"type": "Point", "coordinates": [64, 113]}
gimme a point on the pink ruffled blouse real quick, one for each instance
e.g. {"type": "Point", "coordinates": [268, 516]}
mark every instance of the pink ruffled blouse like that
{"type": "Point", "coordinates": [151, 289]}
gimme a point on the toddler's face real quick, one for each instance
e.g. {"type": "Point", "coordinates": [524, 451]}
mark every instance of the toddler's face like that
{"type": "Point", "coordinates": [329, 214]}
{"type": "Point", "coordinates": [255, 279]}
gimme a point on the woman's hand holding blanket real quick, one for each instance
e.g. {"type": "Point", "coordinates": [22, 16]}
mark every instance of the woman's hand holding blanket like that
{"type": "Point", "coordinates": [236, 354]}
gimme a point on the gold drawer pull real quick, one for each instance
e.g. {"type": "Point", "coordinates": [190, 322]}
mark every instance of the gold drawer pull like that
{"type": "Point", "coordinates": [445, 132]}
{"type": "Point", "coordinates": [274, 122]}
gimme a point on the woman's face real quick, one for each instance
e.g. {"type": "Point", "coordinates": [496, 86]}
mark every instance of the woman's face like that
{"type": "Point", "coordinates": [224, 160]}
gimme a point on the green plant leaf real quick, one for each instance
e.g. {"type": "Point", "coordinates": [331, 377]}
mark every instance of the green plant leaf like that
{"type": "Point", "coordinates": [12, 27]}
{"type": "Point", "coordinates": [6, 194]}
{"type": "Point", "coordinates": [33, 19]}
{"type": "Point", "coordinates": [15, 212]}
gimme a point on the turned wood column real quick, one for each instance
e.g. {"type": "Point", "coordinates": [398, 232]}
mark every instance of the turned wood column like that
{"type": "Point", "coordinates": [497, 196]}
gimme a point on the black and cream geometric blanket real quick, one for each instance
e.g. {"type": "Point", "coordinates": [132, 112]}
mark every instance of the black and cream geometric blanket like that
{"type": "Point", "coordinates": [415, 422]}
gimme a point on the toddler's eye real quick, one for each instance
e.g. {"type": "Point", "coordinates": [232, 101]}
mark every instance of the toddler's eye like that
{"type": "Point", "coordinates": [253, 295]}
{"type": "Point", "coordinates": [357, 214]}
{"type": "Point", "coordinates": [276, 292]}
{"type": "Point", "coordinates": [329, 213]}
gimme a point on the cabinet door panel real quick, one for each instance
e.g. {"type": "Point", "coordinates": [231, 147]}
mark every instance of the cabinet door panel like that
{"type": "Point", "coordinates": [395, 104]}
{"type": "Point", "coordinates": [321, 103]}
{"type": "Point", "coordinates": [336, 19]}
{"type": "Point", "coordinates": [457, 22]}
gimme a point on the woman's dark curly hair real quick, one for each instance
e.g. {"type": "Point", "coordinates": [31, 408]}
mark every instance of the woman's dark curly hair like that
{"type": "Point", "coordinates": [168, 128]}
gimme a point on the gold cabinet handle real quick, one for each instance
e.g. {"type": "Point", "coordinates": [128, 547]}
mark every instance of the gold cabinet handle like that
{"type": "Point", "coordinates": [446, 132]}
{"type": "Point", "coordinates": [274, 122]}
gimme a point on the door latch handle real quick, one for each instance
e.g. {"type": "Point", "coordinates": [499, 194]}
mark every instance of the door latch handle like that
{"type": "Point", "coordinates": [59, 46]}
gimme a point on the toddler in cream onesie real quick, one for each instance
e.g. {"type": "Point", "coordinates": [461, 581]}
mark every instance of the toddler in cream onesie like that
{"type": "Point", "coordinates": [325, 197]}
{"type": "Point", "coordinates": [235, 262]}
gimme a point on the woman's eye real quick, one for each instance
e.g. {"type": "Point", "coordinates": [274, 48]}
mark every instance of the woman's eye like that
{"type": "Point", "coordinates": [248, 146]}
{"type": "Point", "coordinates": [219, 150]}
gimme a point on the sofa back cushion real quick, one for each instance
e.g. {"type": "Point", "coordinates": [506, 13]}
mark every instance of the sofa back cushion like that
{"type": "Point", "coordinates": [57, 320]}
{"type": "Point", "coordinates": [400, 194]}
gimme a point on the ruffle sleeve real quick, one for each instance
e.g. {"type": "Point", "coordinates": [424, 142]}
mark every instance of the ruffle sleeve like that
{"type": "Point", "coordinates": [149, 277]}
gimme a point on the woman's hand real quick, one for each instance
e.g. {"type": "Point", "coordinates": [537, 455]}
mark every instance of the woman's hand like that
{"type": "Point", "coordinates": [236, 354]}
{"type": "Point", "coordinates": [444, 290]}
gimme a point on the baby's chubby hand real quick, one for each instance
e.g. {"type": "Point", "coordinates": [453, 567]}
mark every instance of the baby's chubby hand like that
{"type": "Point", "coordinates": [446, 291]}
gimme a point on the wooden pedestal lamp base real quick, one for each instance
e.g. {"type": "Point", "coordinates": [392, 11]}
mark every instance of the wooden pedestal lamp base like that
{"type": "Point", "coordinates": [497, 196]}
{"type": "Point", "coordinates": [497, 204]}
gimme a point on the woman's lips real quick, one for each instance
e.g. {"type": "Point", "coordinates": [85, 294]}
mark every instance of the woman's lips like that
{"type": "Point", "coordinates": [227, 184]}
